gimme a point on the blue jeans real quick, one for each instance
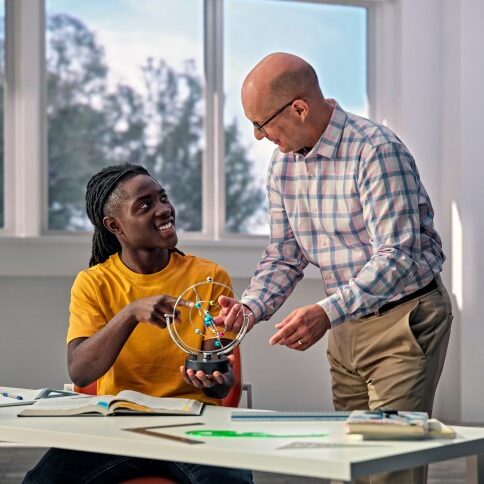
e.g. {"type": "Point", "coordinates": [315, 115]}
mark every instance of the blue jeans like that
{"type": "Point", "coordinates": [59, 466]}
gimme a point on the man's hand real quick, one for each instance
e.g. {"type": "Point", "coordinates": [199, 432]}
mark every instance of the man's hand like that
{"type": "Point", "coordinates": [201, 379]}
{"type": "Point", "coordinates": [302, 328]}
{"type": "Point", "coordinates": [152, 309]}
{"type": "Point", "coordinates": [231, 315]}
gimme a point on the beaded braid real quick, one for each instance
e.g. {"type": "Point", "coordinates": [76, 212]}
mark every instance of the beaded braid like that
{"type": "Point", "coordinates": [99, 189]}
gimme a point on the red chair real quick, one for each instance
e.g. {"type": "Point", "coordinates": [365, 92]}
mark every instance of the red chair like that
{"type": "Point", "coordinates": [231, 400]}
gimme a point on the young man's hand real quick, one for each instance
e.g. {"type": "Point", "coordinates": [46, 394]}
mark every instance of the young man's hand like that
{"type": "Point", "coordinates": [203, 380]}
{"type": "Point", "coordinates": [152, 309]}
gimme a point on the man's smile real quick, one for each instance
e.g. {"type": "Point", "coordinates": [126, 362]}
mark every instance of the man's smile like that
{"type": "Point", "coordinates": [166, 225]}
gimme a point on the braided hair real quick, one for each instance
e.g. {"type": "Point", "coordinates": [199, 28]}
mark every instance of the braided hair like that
{"type": "Point", "coordinates": [99, 189]}
{"type": "Point", "coordinates": [98, 193]}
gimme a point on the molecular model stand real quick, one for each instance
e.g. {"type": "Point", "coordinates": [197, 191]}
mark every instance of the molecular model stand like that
{"type": "Point", "coordinates": [201, 321]}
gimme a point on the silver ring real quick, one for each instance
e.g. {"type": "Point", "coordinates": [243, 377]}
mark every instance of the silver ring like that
{"type": "Point", "coordinates": [300, 342]}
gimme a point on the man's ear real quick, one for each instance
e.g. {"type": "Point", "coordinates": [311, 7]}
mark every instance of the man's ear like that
{"type": "Point", "coordinates": [112, 225]}
{"type": "Point", "coordinates": [302, 108]}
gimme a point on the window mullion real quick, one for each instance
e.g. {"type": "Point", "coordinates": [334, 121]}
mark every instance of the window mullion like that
{"type": "Point", "coordinates": [383, 57]}
{"type": "Point", "coordinates": [213, 168]}
{"type": "Point", "coordinates": [25, 158]}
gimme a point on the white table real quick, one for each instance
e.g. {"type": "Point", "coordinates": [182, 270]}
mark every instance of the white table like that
{"type": "Point", "coordinates": [106, 434]}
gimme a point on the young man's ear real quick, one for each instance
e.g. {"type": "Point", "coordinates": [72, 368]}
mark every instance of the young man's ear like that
{"type": "Point", "coordinates": [112, 225]}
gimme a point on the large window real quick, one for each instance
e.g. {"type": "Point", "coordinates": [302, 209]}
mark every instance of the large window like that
{"type": "Point", "coordinates": [157, 82]}
{"type": "Point", "coordinates": [332, 38]}
{"type": "Point", "coordinates": [125, 84]}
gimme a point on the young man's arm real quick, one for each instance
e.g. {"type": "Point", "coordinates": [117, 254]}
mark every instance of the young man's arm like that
{"type": "Point", "coordinates": [89, 358]}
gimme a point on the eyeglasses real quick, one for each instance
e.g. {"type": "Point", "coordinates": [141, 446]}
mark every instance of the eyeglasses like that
{"type": "Point", "coordinates": [260, 126]}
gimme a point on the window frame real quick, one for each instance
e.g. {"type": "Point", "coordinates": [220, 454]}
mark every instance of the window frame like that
{"type": "Point", "coordinates": [26, 162]}
{"type": "Point", "coordinates": [25, 127]}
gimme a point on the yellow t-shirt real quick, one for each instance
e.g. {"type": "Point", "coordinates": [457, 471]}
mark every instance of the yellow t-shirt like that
{"type": "Point", "coordinates": [149, 361]}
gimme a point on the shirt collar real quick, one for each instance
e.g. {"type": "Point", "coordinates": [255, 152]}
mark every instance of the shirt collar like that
{"type": "Point", "coordinates": [327, 145]}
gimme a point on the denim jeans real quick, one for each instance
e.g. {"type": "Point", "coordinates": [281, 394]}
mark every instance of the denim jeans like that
{"type": "Point", "coordinates": [59, 466]}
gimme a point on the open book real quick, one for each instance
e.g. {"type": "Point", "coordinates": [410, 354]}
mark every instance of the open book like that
{"type": "Point", "coordinates": [383, 425]}
{"type": "Point", "coordinates": [127, 402]}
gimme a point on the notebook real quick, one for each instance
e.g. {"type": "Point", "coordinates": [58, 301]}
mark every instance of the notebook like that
{"type": "Point", "coordinates": [126, 402]}
{"type": "Point", "coordinates": [6, 401]}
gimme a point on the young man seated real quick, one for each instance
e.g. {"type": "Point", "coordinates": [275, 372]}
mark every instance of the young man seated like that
{"type": "Point", "coordinates": [117, 333]}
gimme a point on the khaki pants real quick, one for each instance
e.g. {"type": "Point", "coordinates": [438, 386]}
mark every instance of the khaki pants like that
{"type": "Point", "coordinates": [392, 360]}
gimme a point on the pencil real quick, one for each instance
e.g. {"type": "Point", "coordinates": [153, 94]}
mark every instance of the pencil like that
{"type": "Point", "coordinates": [11, 395]}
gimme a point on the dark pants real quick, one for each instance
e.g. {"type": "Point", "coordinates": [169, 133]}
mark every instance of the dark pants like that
{"type": "Point", "coordinates": [60, 466]}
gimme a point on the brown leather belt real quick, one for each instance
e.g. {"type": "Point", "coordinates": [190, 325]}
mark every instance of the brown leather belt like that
{"type": "Point", "coordinates": [418, 293]}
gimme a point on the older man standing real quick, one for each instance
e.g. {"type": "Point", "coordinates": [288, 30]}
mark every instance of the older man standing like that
{"type": "Point", "coordinates": [345, 195]}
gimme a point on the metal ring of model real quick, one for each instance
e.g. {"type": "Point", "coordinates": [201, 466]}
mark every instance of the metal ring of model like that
{"type": "Point", "coordinates": [201, 312]}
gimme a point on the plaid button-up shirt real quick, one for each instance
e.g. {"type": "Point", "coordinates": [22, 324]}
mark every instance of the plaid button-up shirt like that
{"type": "Point", "coordinates": [355, 207]}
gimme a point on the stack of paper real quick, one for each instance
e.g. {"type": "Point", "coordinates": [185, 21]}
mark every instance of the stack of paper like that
{"type": "Point", "coordinates": [392, 425]}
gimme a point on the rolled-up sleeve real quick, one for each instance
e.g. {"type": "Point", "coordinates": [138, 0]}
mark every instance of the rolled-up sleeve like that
{"type": "Point", "coordinates": [282, 264]}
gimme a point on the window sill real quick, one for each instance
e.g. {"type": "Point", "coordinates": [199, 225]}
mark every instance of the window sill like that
{"type": "Point", "coordinates": [66, 255]}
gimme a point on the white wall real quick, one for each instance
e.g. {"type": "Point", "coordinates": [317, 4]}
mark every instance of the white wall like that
{"type": "Point", "coordinates": [436, 76]}
{"type": "Point", "coordinates": [450, 172]}
{"type": "Point", "coordinates": [281, 378]}
{"type": "Point", "coordinates": [34, 315]}
{"type": "Point", "coordinates": [469, 26]}
{"type": "Point", "coordinates": [431, 73]}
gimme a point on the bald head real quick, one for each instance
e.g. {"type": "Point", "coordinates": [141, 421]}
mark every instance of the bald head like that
{"type": "Point", "coordinates": [278, 78]}
{"type": "Point", "coordinates": [282, 98]}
